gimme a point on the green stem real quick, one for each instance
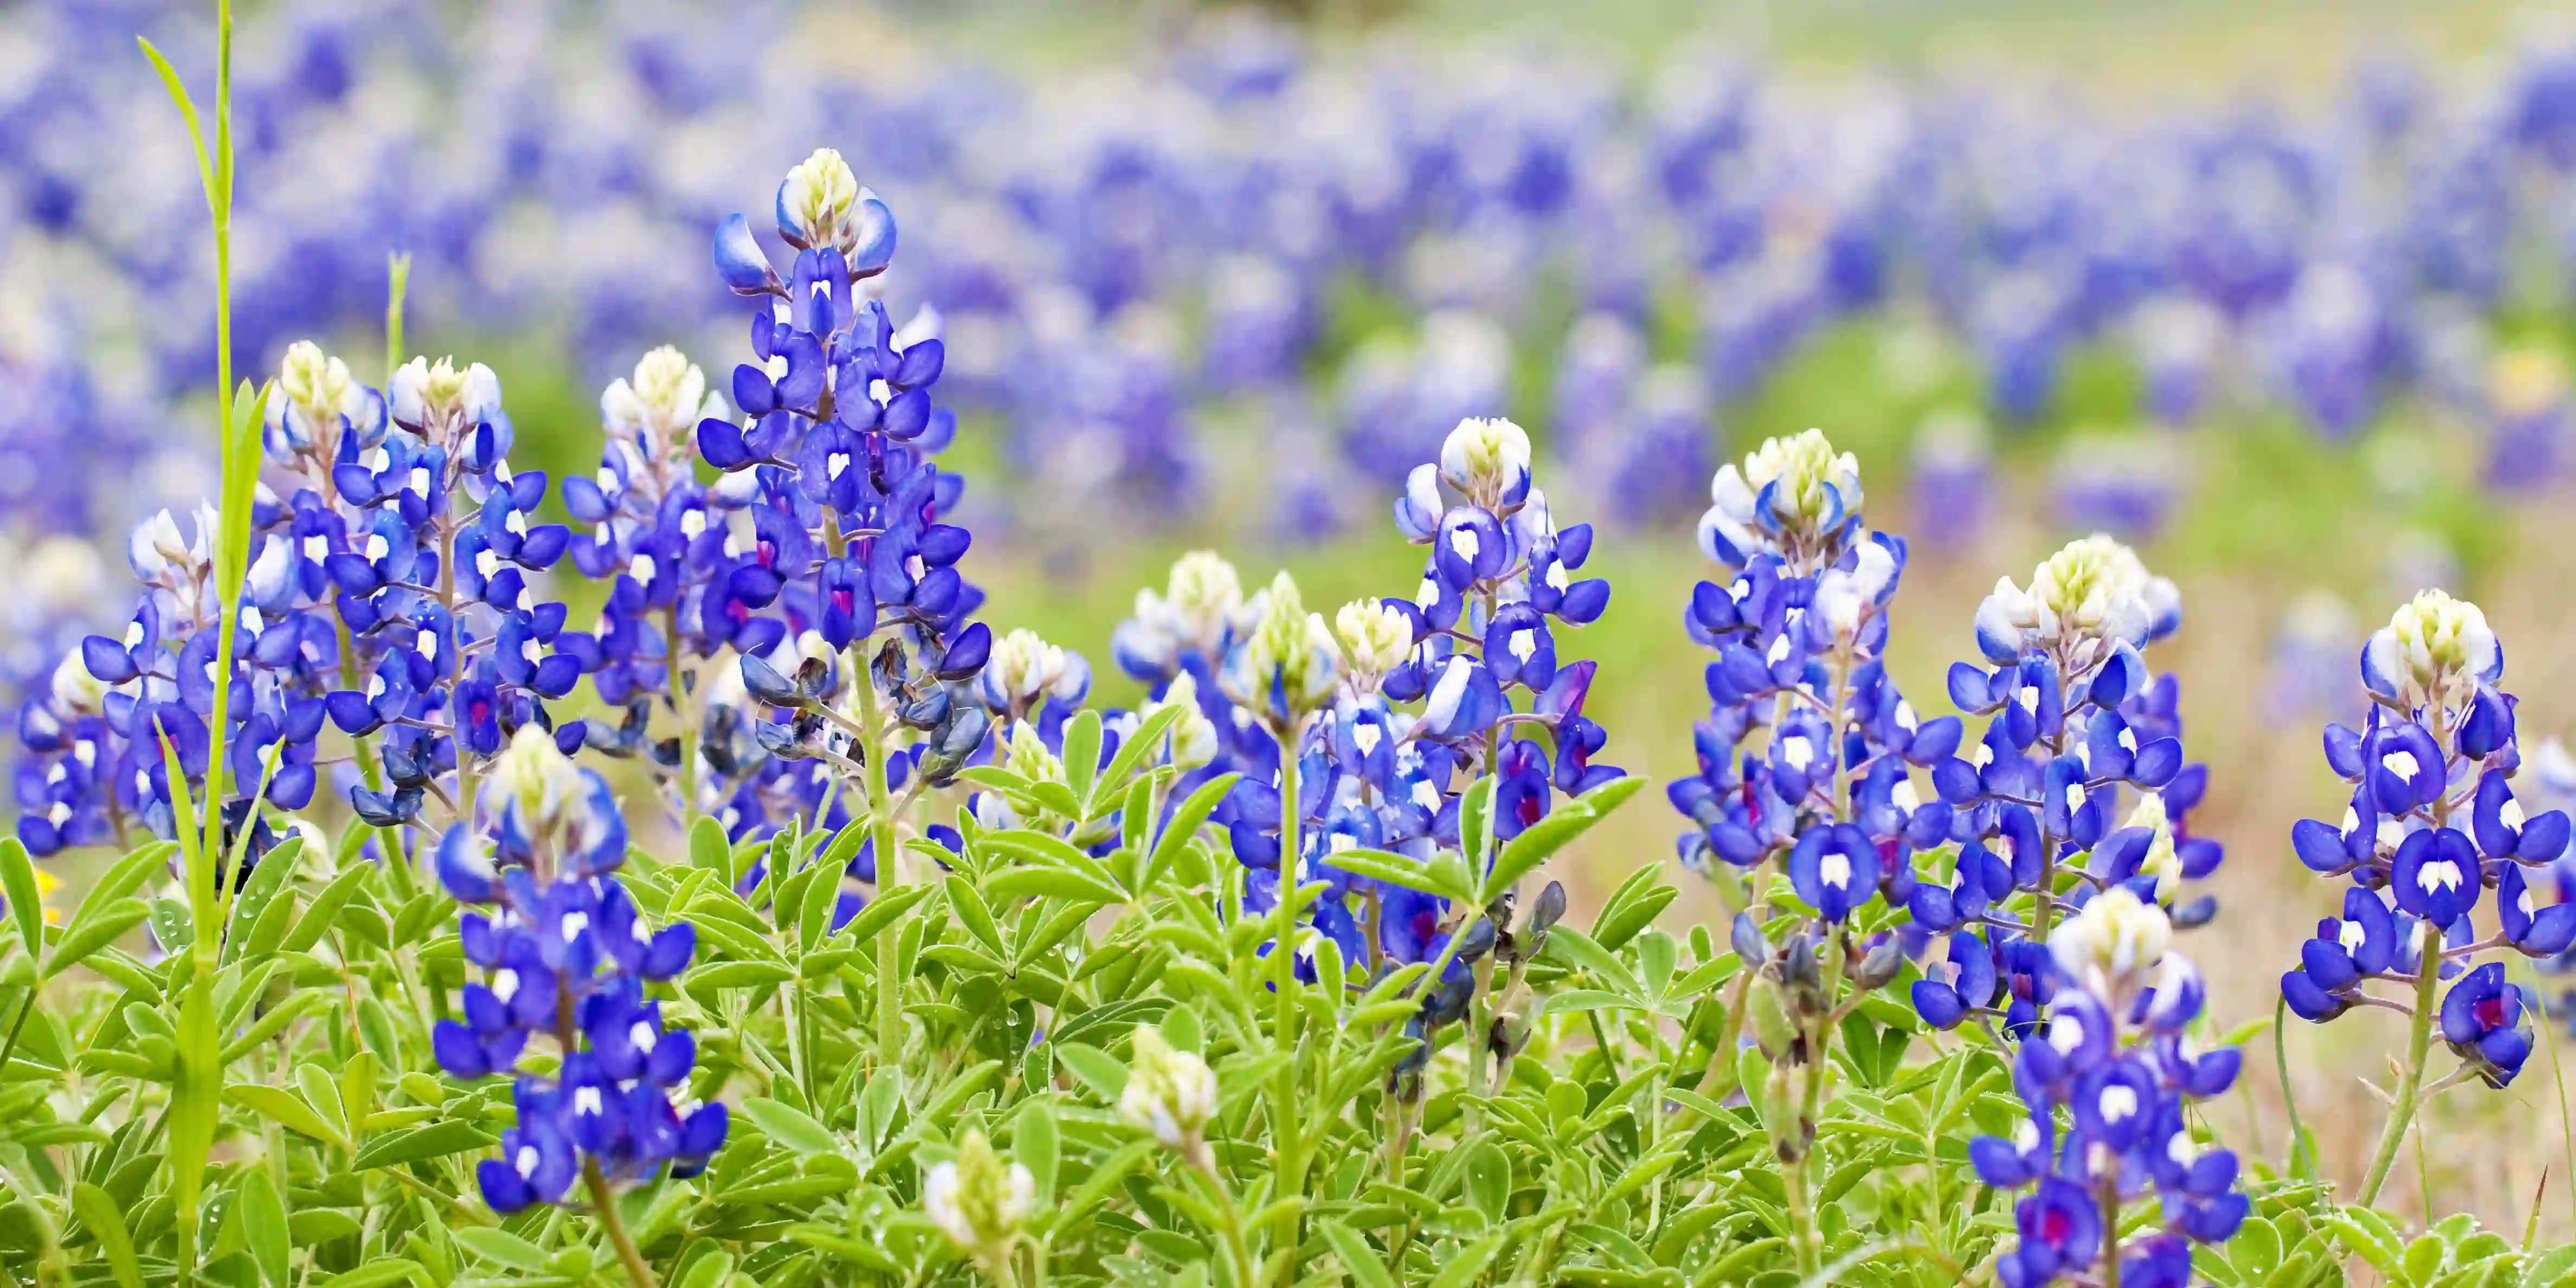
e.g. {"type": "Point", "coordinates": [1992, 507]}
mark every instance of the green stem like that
{"type": "Point", "coordinates": [880, 822]}
{"type": "Point", "coordinates": [1283, 954]}
{"type": "Point", "coordinates": [2110, 1201]}
{"type": "Point", "coordinates": [1238, 1247]}
{"type": "Point", "coordinates": [1802, 1214]}
{"type": "Point", "coordinates": [604, 1201]}
{"type": "Point", "coordinates": [2410, 1078]}
{"type": "Point", "coordinates": [676, 678]}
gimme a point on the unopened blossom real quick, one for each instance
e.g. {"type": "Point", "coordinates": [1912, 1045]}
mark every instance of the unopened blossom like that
{"type": "Point", "coordinates": [2434, 650]}
{"type": "Point", "coordinates": [1285, 667]}
{"type": "Point", "coordinates": [1786, 495]}
{"type": "Point", "coordinates": [1488, 459]}
{"type": "Point", "coordinates": [1170, 1093]}
{"type": "Point", "coordinates": [2091, 595]}
{"type": "Point", "coordinates": [978, 1200]}
{"type": "Point", "coordinates": [2114, 944]}
{"type": "Point", "coordinates": [660, 404]}
{"type": "Point", "coordinates": [1375, 638]}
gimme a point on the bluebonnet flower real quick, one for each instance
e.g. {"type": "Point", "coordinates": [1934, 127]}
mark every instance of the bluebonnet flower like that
{"type": "Point", "coordinates": [564, 958]}
{"type": "Point", "coordinates": [409, 519]}
{"type": "Point", "coordinates": [2432, 824]}
{"type": "Point", "coordinates": [1808, 757]}
{"type": "Point", "coordinates": [2107, 1085]}
{"type": "Point", "coordinates": [831, 571]}
{"type": "Point", "coordinates": [1394, 708]}
{"type": "Point", "coordinates": [388, 588]}
{"type": "Point", "coordinates": [2081, 754]}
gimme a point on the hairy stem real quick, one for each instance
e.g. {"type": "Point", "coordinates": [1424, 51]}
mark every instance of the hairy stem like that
{"type": "Point", "coordinates": [880, 823]}
{"type": "Point", "coordinates": [676, 678]}
{"type": "Point", "coordinates": [2419, 1028]}
{"type": "Point", "coordinates": [604, 1201]}
{"type": "Point", "coordinates": [1291, 1150]}
{"type": "Point", "coordinates": [2410, 1078]}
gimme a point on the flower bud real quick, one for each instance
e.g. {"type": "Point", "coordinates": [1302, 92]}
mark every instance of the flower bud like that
{"type": "Point", "coordinates": [1024, 669]}
{"type": "Point", "coordinates": [2113, 945]}
{"type": "Point", "coordinates": [2434, 649]}
{"type": "Point", "coordinates": [74, 688]}
{"type": "Point", "coordinates": [1812, 490]}
{"type": "Point", "coordinates": [2161, 861]}
{"type": "Point", "coordinates": [2090, 595]}
{"type": "Point", "coordinates": [1767, 1007]}
{"type": "Point", "coordinates": [1170, 1093]}
{"type": "Point", "coordinates": [821, 205]}
{"type": "Point", "coordinates": [661, 404]}
{"type": "Point", "coordinates": [314, 390]}
{"type": "Point", "coordinates": [816, 197]}
{"type": "Point", "coordinates": [1285, 668]}
{"type": "Point", "coordinates": [1488, 459]}
{"type": "Point", "coordinates": [1192, 741]}
{"type": "Point", "coordinates": [426, 395]}
{"type": "Point", "coordinates": [534, 776]}
{"type": "Point", "coordinates": [1205, 596]}
{"type": "Point", "coordinates": [1027, 755]}
{"type": "Point", "coordinates": [979, 1201]}
{"type": "Point", "coordinates": [155, 548]}
{"type": "Point", "coordinates": [1879, 965]}
{"type": "Point", "coordinates": [1375, 637]}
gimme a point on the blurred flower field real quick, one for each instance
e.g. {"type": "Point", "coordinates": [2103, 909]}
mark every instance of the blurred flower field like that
{"type": "Point", "coordinates": [1251, 282]}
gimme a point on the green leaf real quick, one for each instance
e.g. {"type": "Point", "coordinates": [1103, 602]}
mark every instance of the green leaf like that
{"type": "Point", "coordinates": [263, 1220]}
{"type": "Point", "coordinates": [502, 1248]}
{"type": "Point", "coordinates": [883, 910]}
{"type": "Point", "coordinates": [1632, 907]}
{"type": "Point", "coordinates": [1367, 1269]}
{"type": "Point", "coordinates": [973, 915]}
{"type": "Point", "coordinates": [178, 90]}
{"type": "Point", "coordinates": [1082, 756]}
{"type": "Point", "coordinates": [1489, 1178]}
{"type": "Point", "coordinates": [139, 865]}
{"type": "Point", "coordinates": [320, 915]}
{"type": "Point", "coordinates": [1146, 740]}
{"type": "Point", "coordinates": [1470, 1262]}
{"type": "Point", "coordinates": [1187, 817]}
{"type": "Point", "coordinates": [105, 1221]}
{"type": "Point", "coordinates": [420, 1144]}
{"type": "Point", "coordinates": [1396, 869]}
{"type": "Point", "coordinates": [382, 1273]}
{"type": "Point", "coordinates": [1545, 837]}
{"type": "Point", "coordinates": [709, 850]}
{"type": "Point", "coordinates": [1574, 950]}
{"type": "Point", "coordinates": [18, 888]}
{"type": "Point", "coordinates": [1476, 824]}
{"type": "Point", "coordinates": [1055, 883]}
{"type": "Point", "coordinates": [1095, 1068]}
{"type": "Point", "coordinates": [95, 929]}
{"type": "Point", "coordinates": [275, 871]}
{"type": "Point", "coordinates": [285, 1109]}
{"type": "Point", "coordinates": [1034, 1146]}
{"type": "Point", "coordinates": [721, 975]}
{"type": "Point", "coordinates": [710, 1270]}
{"type": "Point", "coordinates": [790, 1127]}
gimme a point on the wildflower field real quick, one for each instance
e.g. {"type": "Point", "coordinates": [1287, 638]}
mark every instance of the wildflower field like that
{"type": "Point", "coordinates": [1332, 644]}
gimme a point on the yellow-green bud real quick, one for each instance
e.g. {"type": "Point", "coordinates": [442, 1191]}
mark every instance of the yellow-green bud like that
{"type": "Point", "coordinates": [979, 1201]}
{"type": "Point", "coordinates": [1170, 1093]}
